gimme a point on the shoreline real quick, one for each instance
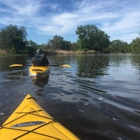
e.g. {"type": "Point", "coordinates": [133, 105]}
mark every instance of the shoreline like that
{"type": "Point", "coordinates": [51, 52]}
{"type": "Point", "coordinates": [58, 52]}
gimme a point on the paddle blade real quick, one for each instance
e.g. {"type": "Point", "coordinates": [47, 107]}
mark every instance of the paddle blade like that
{"type": "Point", "coordinates": [65, 66]}
{"type": "Point", "coordinates": [16, 65]}
{"type": "Point", "coordinates": [62, 65]}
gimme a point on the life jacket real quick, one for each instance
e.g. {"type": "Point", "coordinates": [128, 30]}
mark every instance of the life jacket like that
{"type": "Point", "coordinates": [38, 60]}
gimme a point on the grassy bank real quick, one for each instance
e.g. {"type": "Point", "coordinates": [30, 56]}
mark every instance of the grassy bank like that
{"type": "Point", "coordinates": [2, 52]}
{"type": "Point", "coordinates": [50, 52]}
{"type": "Point", "coordinates": [63, 52]}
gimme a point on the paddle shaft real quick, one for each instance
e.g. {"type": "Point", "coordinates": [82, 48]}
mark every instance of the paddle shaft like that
{"type": "Point", "coordinates": [62, 65]}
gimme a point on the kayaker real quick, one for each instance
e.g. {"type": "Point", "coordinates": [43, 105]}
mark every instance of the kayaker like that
{"type": "Point", "coordinates": [40, 59]}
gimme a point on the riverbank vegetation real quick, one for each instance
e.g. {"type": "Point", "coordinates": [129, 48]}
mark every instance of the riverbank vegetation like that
{"type": "Point", "coordinates": [13, 40]}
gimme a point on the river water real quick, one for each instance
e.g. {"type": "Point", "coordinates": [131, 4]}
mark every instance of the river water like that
{"type": "Point", "coordinates": [98, 98]}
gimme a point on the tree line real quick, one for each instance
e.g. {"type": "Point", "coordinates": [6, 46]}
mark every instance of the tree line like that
{"type": "Point", "coordinates": [13, 39]}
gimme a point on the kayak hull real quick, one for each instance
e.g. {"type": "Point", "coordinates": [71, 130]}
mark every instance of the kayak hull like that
{"type": "Point", "coordinates": [31, 122]}
{"type": "Point", "coordinates": [39, 71]}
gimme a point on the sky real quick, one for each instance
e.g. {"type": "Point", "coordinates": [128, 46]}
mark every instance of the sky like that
{"type": "Point", "coordinates": [43, 19]}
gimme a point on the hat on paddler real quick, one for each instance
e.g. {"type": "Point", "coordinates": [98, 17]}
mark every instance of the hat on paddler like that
{"type": "Point", "coordinates": [39, 51]}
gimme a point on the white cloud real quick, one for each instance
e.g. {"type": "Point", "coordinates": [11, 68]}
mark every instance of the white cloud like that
{"type": "Point", "coordinates": [26, 7]}
{"type": "Point", "coordinates": [117, 18]}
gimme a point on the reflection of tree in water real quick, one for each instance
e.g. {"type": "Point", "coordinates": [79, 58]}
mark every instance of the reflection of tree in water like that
{"type": "Point", "coordinates": [135, 59]}
{"type": "Point", "coordinates": [6, 61]}
{"type": "Point", "coordinates": [91, 66]}
{"type": "Point", "coordinates": [40, 82]}
{"type": "Point", "coordinates": [14, 74]}
{"type": "Point", "coordinates": [118, 59]}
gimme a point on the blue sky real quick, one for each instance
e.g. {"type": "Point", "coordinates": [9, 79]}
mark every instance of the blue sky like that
{"type": "Point", "coordinates": [44, 19]}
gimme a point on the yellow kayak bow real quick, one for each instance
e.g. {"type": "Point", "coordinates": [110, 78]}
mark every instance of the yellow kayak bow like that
{"type": "Point", "coordinates": [31, 122]}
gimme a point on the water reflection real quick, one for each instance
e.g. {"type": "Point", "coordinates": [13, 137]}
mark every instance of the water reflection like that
{"type": "Point", "coordinates": [135, 59]}
{"type": "Point", "coordinates": [94, 66]}
{"type": "Point", "coordinates": [14, 75]}
{"type": "Point", "coordinates": [116, 59]}
{"type": "Point", "coordinates": [5, 62]}
{"type": "Point", "coordinates": [40, 81]}
{"type": "Point", "coordinates": [99, 96]}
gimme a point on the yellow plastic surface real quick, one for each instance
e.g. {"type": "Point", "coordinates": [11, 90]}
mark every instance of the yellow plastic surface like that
{"type": "Point", "coordinates": [16, 65]}
{"type": "Point", "coordinates": [65, 66]}
{"type": "Point", "coordinates": [39, 70]}
{"type": "Point", "coordinates": [20, 125]}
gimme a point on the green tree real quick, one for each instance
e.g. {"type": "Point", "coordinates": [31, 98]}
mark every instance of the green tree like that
{"type": "Point", "coordinates": [92, 38]}
{"type": "Point", "coordinates": [118, 46]}
{"type": "Point", "coordinates": [56, 42]}
{"type": "Point", "coordinates": [32, 44]}
{"type": "Point", "coordinates": [12, 37]}
{"type": "Point", "coordinates": [66, 45]}
{"type": "Point", "coordinates": [74, 46]}
{"type": "Point", "coordinates": [135, 45]}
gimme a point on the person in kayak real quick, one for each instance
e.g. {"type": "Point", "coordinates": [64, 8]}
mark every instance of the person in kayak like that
{"type": "Point", "coordinates": [40, 59]}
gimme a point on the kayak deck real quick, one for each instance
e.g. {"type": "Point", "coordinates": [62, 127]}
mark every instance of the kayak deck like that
{"type": "Point", "coordinates": [39, 71]}
{"type": "Point", "coordinates": [31, 122]}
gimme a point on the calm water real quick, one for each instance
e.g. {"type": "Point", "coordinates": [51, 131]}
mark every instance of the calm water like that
{"type": "Point", "coordinates": [97, 99]}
